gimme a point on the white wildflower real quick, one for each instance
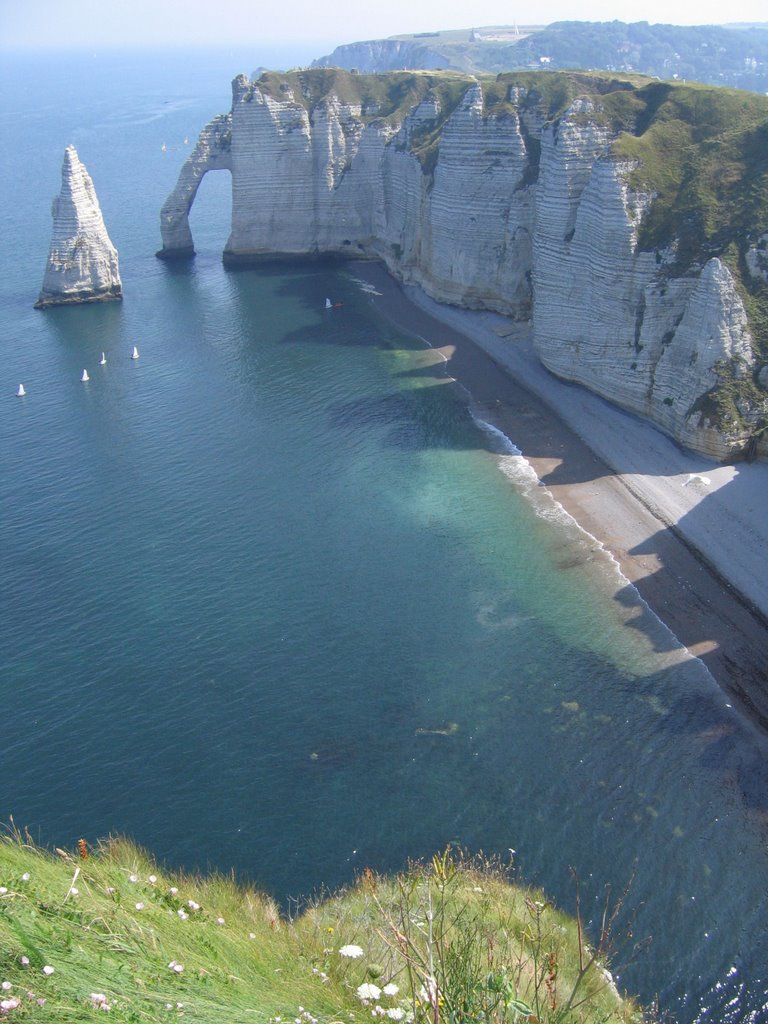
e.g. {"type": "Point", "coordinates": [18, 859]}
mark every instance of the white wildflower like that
{"type": "Point", "coordinates": [74, 891]}
{"type": "Point", "coordinates": [3, 890]}
{"type": "Point", "coordinates": [395, 1013]}
{"type": "Point", "coordinates": [193, 905]}
{"type": "Point", "coordinates": [368, 991]}
{"type": "Point", "coordinates": [429, 993]}
{"type": "Point", "coordinates": [251, 935]}
{"type": "Point", "coordinates": [133, 878]}
{"type": "Point", "coordinates": [26, 876]}
{"type": "Point", "coordinates": [48, 970]}
{"type": "Point", "coordinates": [182, 914]}
{"type": "Point", "coordinates": [40, 1001]}
{"type": "Point", "coordinates": [6, 1005]}
{"type": "Point", "coordinates": [391, 989]}
{"type": "Point", "coordinates": [152, 879]}
{"type": "Point", "coordinates": [6, 985]}
{"type": "Point", "coordinates": [139, 906]}
{"type": "Point", "coordinates": [98, 997]}
{"type": "Point", "coordinates": [351, 951]}
{"type": "Point", "coordinates": [111, 890]}
{"type": "Point", "coordinates": [24, 961]}
{"type": "Point", "coordinates": [220, 920]}
{"type": "Point", "coordinates": [176, 967]}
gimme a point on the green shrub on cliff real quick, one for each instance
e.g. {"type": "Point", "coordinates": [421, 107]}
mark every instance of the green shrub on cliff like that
{"type": "Point", "coordinates": [452, 943]}
{"type": "Point", "coordinates": [701, 151]}
{"type": "Point", "coordinates": [387, 98]}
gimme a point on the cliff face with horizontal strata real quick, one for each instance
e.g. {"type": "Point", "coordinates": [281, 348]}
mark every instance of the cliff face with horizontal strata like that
{"type": "Point", "coordinates": [82, 263]}
{"type": "Point", "coordinates": [484, 197]}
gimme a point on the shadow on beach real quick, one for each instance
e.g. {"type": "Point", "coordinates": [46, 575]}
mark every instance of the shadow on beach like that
{"type": "Point", "coordinates": [678, 582]}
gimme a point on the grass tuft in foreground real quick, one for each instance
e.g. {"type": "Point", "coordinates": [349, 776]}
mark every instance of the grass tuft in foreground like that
{"type": "Point", "coordinates": [87, 932]}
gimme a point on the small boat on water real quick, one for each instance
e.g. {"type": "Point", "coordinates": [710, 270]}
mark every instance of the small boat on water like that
{"type": "Point", "coordinates": [328, 304]}
{"type": "Point", "coordinates": [135, 353]}
{"type": "Point", "coordinates": [85, 376]}
{"type": "Point", "coordinates": [103, 360]}
{"type": "Point", "coordinates": [21, 392]}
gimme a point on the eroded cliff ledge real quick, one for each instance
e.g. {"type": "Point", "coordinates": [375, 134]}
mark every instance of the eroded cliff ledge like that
{"type": "Point", "coordinates": [82, 263]}
{"type": "Point", "coordinates": [626, 217]}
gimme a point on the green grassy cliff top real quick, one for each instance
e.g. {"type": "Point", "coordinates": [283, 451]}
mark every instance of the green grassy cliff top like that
{"type": "Point", "coordinates": [452, 942]}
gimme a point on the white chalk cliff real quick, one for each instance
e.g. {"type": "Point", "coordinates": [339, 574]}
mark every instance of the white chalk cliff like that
{"type": "Point", "coordinates": [82, 262]}
{"type": "Point", "coordinates": [512, 210]}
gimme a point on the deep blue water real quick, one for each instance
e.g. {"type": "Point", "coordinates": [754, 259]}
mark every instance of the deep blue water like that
{"type": "Point", "coordinates": [272, 599]}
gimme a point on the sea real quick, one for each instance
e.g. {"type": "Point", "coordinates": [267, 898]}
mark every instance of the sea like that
{"type": "Point", "coordinates": [275, 599]}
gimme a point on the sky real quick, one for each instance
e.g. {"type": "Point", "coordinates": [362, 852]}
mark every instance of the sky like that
{"type": "Point", "coordinates": [66, 24]}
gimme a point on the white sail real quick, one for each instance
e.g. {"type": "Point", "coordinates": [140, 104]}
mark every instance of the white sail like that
{"type": "Point", "coordinates": [103, 359]}
{"type": "Point", "coordinates": [21, 392]}
{"type": "Point", "coordinates": [328, 304]}
{"type": "Point", "coordinates": [135, 354]}
{"type": "Point", "coordinates": [85, 376]}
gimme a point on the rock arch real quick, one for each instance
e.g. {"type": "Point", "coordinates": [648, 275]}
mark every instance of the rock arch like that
{"type": "Point", "coordinates": [213, 152]}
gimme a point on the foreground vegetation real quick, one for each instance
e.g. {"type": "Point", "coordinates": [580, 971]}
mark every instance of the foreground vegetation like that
{"type": "Point", "coordinates": [83, 932]}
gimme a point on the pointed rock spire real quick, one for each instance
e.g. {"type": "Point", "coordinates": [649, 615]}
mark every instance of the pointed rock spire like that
{"type": "Point", "coordinates": [82, 264]}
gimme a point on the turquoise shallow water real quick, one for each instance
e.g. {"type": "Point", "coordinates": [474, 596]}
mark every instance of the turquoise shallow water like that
{"type": "Point", "coordinates": [272, 599]}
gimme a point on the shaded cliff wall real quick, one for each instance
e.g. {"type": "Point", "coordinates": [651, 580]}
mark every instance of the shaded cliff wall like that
{"type": "Point", "coordinates": [486, 199]}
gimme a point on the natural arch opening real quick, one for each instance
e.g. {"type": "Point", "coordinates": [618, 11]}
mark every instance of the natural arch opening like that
{"type": "Point", "coordinates": [212, 153]}
{"type": "Point", "coordinates": [210, 216]}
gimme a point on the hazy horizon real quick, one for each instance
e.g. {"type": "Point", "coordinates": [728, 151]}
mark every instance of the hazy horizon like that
{"type": "Point", "coordinates": [308, 29]}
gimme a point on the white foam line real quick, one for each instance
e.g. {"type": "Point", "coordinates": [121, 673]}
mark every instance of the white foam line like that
{"type": "Point", "coordinates": [557, 513]}
{"type": "Point", "coordinates": [365, 286]}
{"type": "Point", "coordinates": [510, 448]}
{"type": "Point", "coordinates": [518, 469]}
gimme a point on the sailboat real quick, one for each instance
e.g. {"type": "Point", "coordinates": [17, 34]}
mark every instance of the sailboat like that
{"type": "Point", "coordinates": [328, 304]}
{"type": "Point", "coordinates": [103, 360]}
{"type": "Point", "coordinates": [21, 392]}
{"type": "Point", "coordinates": [135, 354]}
{"type": "Point", "coordinates": [85, 376]}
